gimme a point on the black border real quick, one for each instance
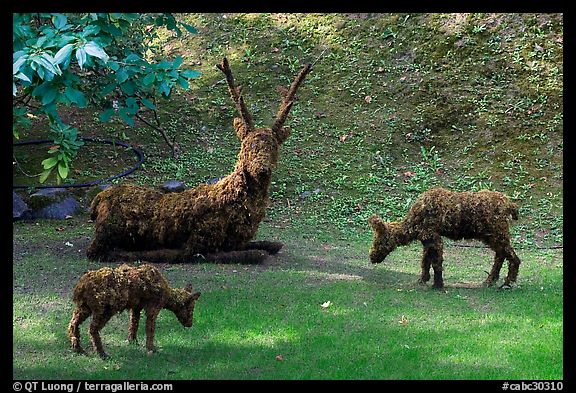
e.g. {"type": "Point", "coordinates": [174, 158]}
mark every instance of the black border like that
{"type": "Point", "coordinates": [502, 6]}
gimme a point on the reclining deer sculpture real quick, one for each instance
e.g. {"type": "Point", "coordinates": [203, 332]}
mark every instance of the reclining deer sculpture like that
{"type": "Point", "coordinates": [212, 222]}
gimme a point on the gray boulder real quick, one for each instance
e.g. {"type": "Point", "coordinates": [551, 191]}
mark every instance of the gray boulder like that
{"type": "Point", "coordinates": [19, 207]}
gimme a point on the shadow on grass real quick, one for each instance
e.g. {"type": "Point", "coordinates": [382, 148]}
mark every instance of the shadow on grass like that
{"type": "Point", "coordinates": [377, 359]}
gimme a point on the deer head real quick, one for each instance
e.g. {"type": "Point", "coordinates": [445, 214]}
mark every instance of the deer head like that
{"type": "Point", "coordinates": [259, 146]}
{"type": "Point", "coordinates": [181, 303]}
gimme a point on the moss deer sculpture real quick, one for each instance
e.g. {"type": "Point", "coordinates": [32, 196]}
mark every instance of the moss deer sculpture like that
{"type": "Point", "coordinates": [211, 222]}
{"type": "Point", "coordinates": [106, 292]}
{"type": "Point", "coordinates": [483, 215]}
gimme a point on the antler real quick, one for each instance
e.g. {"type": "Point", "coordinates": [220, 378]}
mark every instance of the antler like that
{"type": "Point", "coordinates": [236, 94]}
{"type": "Point", "coordinates": [286, 104]}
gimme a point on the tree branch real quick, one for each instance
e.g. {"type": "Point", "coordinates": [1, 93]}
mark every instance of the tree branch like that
{"type": "Point", "coordinates": [173, 145]}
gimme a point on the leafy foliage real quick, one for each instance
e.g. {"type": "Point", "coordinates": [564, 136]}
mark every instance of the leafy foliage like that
{"type": "Point", "coordinates": [103, 60]}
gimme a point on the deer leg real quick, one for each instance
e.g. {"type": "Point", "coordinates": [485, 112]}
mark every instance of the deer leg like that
{"type": "Point", "coordinates": [133, 326]}
{"type": "Point", "coordinates": [98, 322]}
{"type": "Point", "coordinates": [244, 257]}
{"type": "Point", "coordinates": [268, 246]}
{"type": "Point", "coordinates": [513, 266]}
{"type": "Point", "coordinates": [425, 264]}
{"type": "Point", "coordinates": [433, 250]}
{"type": "Point", "coordinates": [495, 271]}
{"type": "Point", "coordinates": [162, 255]}
{"type": "Point", "coordinates": [78, 316]}
{"type": "Point", "coordinates": [151, 315]}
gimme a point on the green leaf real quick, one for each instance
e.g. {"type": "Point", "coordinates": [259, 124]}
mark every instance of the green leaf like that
{"type": "Point", "coordinates": [63, 54]}
{"type": "Point", "coordinates": [114, 65]}
{"type": "Point", "coordinates": [63, 170]}
{"type": "Point", "coordinates": [164, 88]}
{"type": "Point", "coordinates": [116, 32]}
{"type": "Point", "coordinates": [47, 62]}
{"type": "Point", "coordinates": [163, 65]}
{"type": "Point", "coordinates": [50, 162]}
{"type": "Point", "coordinates": [122, 112]}
{"type": "Point", "coordinates": [131, 102]}
{"type": "Point", "coordinates": [45, 175]}
{"type": "Point", "coordinates": [121, 75]}
{"type": "Point", "coordinates": [59, 20]}
{"type": "Point", "coordinates": [17, 64]}
{"type": "Point", "coordinates": [93, 49]}
{"type": "Point", "coordinates": [149, 79]}
{"type": "Point", "coordinates": [183, 83]}
{"type": "Point", "coordinates": [148, 104]}
{"type": "Point", "coordinates": [22, 76]}
{"type": "Point", "coordinates": [90, 30]}
{"type": "Point", "coordinates": [132, 58]}
{"type": "Point", "coordinates": [190, 29]}
{"type": "Point", "coordinates": [75, 96]}
{"type": "Point", "coordinates": [49, 96]}
{"type": "Point", "coordinates": [106, 115]}
{"type": "Point", "coordinates": [41, 89]}
{"type": "Point", "coordinates": [108, 89]}
{"type": "Point", "coordinates": [177, 62]}
{"type": "Point", "coordinates": [81, 57]}
{"type": "Point", "coordinates": [190, 74]}
{"type": "Point", "coordinates": [129, 88]}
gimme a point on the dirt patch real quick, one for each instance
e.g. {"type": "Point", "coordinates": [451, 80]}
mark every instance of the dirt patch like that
{"type": "Point", "coordinates": [73, 247]}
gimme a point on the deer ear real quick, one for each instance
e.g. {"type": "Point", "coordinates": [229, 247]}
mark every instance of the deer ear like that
{"type": "Point", "coordinates": [188, 288]}
{"type": "Point", "coordinates": [195, 296]}
{"type": "Point", "coordinates": [283, 133]}
{"type": "Point", "coordinates": [376, 223]}
{"type": "Point", "coordinates": [240, 128]}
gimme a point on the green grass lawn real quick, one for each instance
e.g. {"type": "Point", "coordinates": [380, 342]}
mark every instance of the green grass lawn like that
{"type": "Point", "coordinates": [380, 323]}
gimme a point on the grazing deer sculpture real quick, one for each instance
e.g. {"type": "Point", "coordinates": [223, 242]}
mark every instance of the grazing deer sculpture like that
{"type": "Point", "coordinates": [212, 222]}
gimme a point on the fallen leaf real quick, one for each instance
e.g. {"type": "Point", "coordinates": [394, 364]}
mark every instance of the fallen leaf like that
{"type": "Point", "coordinates": [326, 304]}
{"type": "Point", "coordinates": [274, 50]}
{"type": "Point", "coordinates": [279, 358]}
{"type": "Point", "coordinates": [69, 244]}
{"type": "Point", "coordinates": [368, 99]}
{"type": "Point", "coordinates": [403, 320]}
{"type": "Point", "coordinates": [343, 137]}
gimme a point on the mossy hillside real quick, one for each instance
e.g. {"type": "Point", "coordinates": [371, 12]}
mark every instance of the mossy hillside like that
{"type": "Point", "coordinates": [395, 104]}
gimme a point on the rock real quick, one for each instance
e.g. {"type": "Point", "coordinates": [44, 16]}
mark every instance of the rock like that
{"type": "Point", "coordinates": [19, 207]}
{"type": "Point", "coordinates": [51, 203]}
{"type": "Point", "coordinates": [173, 186]}
{"type": "Point", "coordinates": [215, 180]}
{"type": "Point", "coordinates": [58, 210]}
{"type": "Point", "coordinates": [47, 196]}
{"type": "Point", "coordinates": [306, 194]}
